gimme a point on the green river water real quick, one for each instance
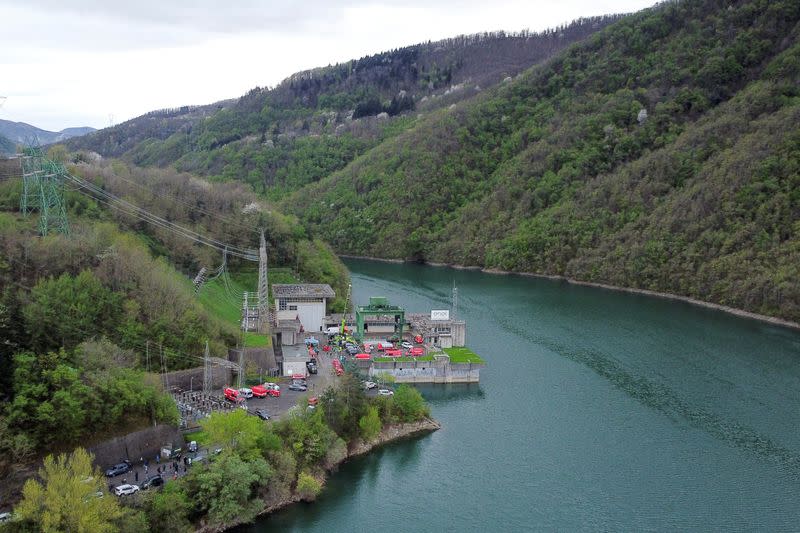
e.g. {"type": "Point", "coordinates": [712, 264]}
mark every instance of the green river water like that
{"type": "Point", "coordinates": [598, 411]}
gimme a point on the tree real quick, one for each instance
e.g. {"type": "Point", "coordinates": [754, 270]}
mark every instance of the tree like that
{"type": "Point", "coordinates": [64, 311]}
{"type": "Point", "coordinates": [168, 510]}
{"type": "Point", "coordinates": [308, 487]}
{"type": "Point", "coordinates": [410, 403]}
{"type": "Point", "coordinates": [237, 431]}
{"type": "Point", "coordinates": [227, 487]}
{"type": "Point", "coordinates": [370, 424]}
{"type": "Point", "coordinates": [344, 405]}
{"type": "Point", "coordinates": [68, 497]}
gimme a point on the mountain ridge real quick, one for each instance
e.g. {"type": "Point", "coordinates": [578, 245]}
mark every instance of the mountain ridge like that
{"type": "Point", "coordinates": [23, 133]}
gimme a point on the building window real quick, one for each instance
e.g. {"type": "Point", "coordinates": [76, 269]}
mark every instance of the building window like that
{"type": "Point", "coordinates": [292, 308]}
{"type": "Point", "coordinates": [282, 304]}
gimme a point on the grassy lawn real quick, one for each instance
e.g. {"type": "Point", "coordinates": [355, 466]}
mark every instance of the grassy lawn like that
{"type": "Point", "coordinates": [215, 297]}
{"type": "Point", "coordinates": [462, 355]}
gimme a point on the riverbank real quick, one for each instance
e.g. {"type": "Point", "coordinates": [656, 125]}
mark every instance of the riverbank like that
{"type": "Point", "coordinates": [389, 434]}
{"type": "Point", "coordinates": [665, 295]}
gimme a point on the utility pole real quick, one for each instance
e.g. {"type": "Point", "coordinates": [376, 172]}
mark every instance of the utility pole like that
{"type": "Point", "coordinates": [241, 366]}
{"type": "Point", "coordinates": [455, 300]}
{"type": "Point", "coordinates": [207, 371]}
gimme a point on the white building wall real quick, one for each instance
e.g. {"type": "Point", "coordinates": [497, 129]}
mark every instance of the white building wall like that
{"type": "Point", "coordinates": [312, 314]}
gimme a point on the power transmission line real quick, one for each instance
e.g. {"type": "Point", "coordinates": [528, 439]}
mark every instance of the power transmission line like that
{"type": "Point", "coordinates": [187, 204]}
{"type": "Point", "coordinates": [126, 207]}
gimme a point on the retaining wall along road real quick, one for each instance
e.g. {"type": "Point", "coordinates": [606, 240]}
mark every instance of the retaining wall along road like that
{"type": "Point", "coordinates": [145, 443]}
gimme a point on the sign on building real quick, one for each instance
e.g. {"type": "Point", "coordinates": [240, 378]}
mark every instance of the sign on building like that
{"type": "Point", "coordinates": [440, 314]}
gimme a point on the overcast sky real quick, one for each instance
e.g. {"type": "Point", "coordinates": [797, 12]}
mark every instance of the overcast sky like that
{"type": "Point", "coordinates": [67, 63]}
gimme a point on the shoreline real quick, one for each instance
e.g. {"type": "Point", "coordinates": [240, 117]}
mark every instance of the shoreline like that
{"type": "Point", "coordinates": [775, 321]}
{"type": "Point", "coordinates": [388, 434]}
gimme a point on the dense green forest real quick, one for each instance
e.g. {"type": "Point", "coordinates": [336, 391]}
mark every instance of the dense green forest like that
{"type": "Point", "coordinates": [661, 153]}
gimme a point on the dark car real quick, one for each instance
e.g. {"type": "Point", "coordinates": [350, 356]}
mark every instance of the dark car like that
{"type": "Point", "coordinates": [262, 414]}
{"type": "Point", "coordinates": [153, 482]}
{"type": "Point", "coordinates": [312, 368]}
{"type": "Point", "coordinates": [298, 387]}
{"type": "Point", "coordinates": [119, 468]}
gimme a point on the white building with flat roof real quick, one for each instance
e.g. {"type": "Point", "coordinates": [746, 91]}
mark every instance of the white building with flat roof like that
{"type": "Point", "coordinates": [305, 302]}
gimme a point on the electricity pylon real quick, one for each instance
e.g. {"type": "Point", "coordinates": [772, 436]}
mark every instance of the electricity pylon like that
{"type": "Point", "coordinates": [43, 190]}
{"type": "Point", "coordinates": [263, 287]}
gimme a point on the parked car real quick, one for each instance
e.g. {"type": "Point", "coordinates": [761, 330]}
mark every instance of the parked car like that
{"type": "Point", "coordinates": [416, 351]}
{"type": "Point", "coordinates": [245, 392]}
{"type": "Point", "coordinates": [124, 490]}
{"type": "Point", "coordinates": [119, 468]}
{"type": "Point", "coordinates": [262, 414]}
{"type": "Point", "coordinates": [267, 389]}
{"type": "Point", "coordinates": [418, 339]}
{"type": "Point", "coordinates": [153, 482]}
{"type": "Point", "coordinates": [407, 345]}
{"type": "Point", "coordinates": [393, 352]}
{"type": "Point", "coordinates": [193, 446]}
{"type": "Point", "coordinates": [385, 392]}
{"type": "Point", "coordinates": [312, 367]}
{"type": "Point", "coordinates": [370, 385]}
{"type": "Point", "coordinates": [298, 387]}
{"type": "Point", "coordinates": [5, 517]}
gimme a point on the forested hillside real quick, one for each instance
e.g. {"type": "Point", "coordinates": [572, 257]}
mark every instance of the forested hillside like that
{"type": "Point", "coordinates": [317, 121]}
{"type": "Point", "coordinates": [89, 319]}
{"type": "Point", "coordinates": [662, 153]}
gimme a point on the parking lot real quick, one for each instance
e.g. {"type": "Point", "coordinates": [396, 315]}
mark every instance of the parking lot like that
{"type": "Point", "coordinates": [317, 383]}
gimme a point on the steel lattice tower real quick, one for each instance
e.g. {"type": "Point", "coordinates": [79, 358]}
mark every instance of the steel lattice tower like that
{"type": "Point", "coordinates": [43, 190]}
{"type": "Point", "coordinates": [263, 287]}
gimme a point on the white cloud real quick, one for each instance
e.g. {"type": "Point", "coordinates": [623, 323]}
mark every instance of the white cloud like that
{"type": "Point", "coordinates": [76, 63]}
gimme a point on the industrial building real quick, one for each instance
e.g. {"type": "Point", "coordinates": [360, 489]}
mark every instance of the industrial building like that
{"type": "Point", "coordinates": [300, 308]}
{"type": "Point", "coordinates": [381, 320]}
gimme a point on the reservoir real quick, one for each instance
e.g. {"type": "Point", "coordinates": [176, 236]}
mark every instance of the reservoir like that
{"type": "Point", "coordinates": [597, 410]}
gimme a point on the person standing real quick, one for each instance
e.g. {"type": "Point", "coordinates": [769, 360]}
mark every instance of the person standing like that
{"type": "Point", "coordinates": [136, 476]}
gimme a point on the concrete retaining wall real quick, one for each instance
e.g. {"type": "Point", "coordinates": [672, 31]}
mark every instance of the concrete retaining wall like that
{"type": "Point", "coordinates": [439, 371]}
{"type": "Point", "coordinates": [144, 443]}
{"type": "Point", "coordinates": [193, 378]}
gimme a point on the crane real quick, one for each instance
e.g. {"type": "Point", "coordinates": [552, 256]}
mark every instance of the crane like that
{"type": "Point", "coordinates": [346, 307]}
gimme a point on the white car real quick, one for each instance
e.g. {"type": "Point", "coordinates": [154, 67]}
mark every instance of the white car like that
{"type": "Point", "coordinates": [5, 517]}
{"type": "Point", "coordinates": [370, 385]}
{"type": "Point", "coordinates": [246, 393]}
{"type": "Point", "coordinates": [385, 392]}
{"type": "Point", "coordinates": [407, 345]}
{"type": "Point", "coordinates": [123, 490]}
